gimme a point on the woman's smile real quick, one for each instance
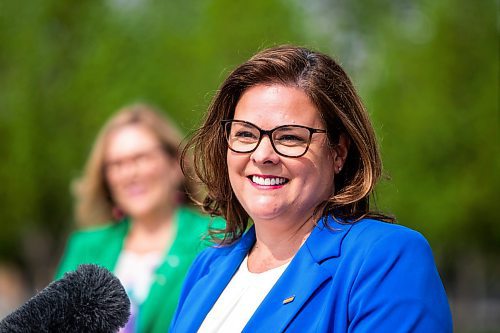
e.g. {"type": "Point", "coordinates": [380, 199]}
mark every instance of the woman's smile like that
{"type": "Point", "coordinates": [268, 181]}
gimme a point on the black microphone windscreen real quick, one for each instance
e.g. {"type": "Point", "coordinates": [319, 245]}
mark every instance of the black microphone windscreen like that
{"type": "Point", "coordinates": [90, 299]}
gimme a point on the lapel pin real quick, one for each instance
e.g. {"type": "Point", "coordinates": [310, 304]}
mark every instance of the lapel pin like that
{"type": "Point", "coordinates": [288, 300]}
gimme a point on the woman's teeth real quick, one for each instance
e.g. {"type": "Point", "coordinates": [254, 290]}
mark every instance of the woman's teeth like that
{"type": "Point", "coordinates": [268, 181]}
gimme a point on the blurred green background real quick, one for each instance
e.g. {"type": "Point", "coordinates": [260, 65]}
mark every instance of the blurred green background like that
{"type": "Point", "coordinates": [428, 72]}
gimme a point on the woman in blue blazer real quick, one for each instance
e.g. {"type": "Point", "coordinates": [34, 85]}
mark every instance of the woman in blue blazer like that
{"type": "Point", "coordinates": [288, 145]}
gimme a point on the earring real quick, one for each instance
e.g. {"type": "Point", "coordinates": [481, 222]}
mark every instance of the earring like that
{"type": "Point", "coordinates": [117, 213]}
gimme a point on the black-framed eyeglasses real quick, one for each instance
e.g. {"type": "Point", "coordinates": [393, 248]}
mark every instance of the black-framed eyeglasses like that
{"type": "Point", "coordinates": [287, 140]}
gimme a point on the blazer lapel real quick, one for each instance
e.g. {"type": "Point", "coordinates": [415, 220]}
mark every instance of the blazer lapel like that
{"type": "Point", "coordinates": [209, 287]}
{"type": "Point", "coordinates": [299, 281]}
{"type": "Point", "coordinates": [288, 296]}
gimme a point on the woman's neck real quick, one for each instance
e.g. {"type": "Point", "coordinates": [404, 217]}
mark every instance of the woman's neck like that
{"type": "Point", "coordinates": [151, 233]}
{"type": "Point", "coordinates": [277, 244]}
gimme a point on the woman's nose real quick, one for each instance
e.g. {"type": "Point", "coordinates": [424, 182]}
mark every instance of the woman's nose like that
{"type": "Point", "coordinates": [129, 169]}
{"type": "Point", "coordinates": [265, 153]}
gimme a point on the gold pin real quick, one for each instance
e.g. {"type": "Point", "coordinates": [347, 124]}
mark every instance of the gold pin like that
{"type": "Point", "coordinates": [288, 300]}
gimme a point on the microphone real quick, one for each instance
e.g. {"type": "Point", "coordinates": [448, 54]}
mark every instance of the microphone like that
{"type": "Point", "coordinates": [90, 299]}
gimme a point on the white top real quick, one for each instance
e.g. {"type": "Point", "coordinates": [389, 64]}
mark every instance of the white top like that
{"type": "Point", "coordinates": [239, 300]}
{"type": "Point", "coordinates": [135, 271]}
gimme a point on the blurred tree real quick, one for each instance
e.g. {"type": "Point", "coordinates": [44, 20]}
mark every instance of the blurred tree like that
{"type": "Point", "coordinates": [65, 67]}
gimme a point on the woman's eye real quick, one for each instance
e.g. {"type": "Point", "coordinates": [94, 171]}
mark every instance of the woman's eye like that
{"type": "Point", "coordinates": [291, 139]}
{"type": "Point", "coordinates": [245, 135]}
{"type": "Point", "coordinates": [139, 158]}
{"type": "Point", "coordinates": [114, 165]}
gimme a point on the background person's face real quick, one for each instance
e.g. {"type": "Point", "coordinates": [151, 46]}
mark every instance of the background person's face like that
{"type": "Point", "coordinates": [141, 176]}
{"type": "Point", "coordinates": [304, 182]}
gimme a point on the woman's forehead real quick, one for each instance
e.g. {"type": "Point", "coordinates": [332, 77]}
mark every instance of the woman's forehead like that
{"type": "Point", "coordinates": [129, 139]}
{"type": "Point", "coordinates": [269, 106]}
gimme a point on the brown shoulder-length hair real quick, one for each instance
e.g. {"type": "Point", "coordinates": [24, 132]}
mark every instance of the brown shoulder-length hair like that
{"type": "Point", "coordinates": [332, 92]}
{"type": "Point", "coordinates": [94, 202]}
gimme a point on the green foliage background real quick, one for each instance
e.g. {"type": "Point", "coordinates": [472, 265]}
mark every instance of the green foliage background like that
{"type": "Point", "coordinates": [427, 70]}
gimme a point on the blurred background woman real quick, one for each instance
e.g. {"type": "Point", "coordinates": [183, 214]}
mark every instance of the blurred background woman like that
{"type": "Point", "coordinates": [130, 201]}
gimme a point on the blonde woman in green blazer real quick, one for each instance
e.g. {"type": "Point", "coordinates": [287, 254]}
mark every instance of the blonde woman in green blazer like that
{"type": "Point", "coordinates": [129, 204]}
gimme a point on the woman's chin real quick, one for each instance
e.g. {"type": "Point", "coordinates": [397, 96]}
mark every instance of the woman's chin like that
{"type": "Point", "coordinates": [267, 214]}
{"type": "Point", "coordinates": [137, 212]}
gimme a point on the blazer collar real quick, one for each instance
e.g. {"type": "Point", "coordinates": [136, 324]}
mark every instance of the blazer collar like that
{"type": "Point", "coordinates": [326, 238]}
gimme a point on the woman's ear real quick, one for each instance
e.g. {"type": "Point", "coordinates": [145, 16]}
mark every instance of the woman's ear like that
{"type": "Point", "coordinates": [341, 150]}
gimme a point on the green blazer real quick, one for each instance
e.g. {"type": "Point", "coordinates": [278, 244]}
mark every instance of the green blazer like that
{"type": "Point", "coordinates": [103, 245]}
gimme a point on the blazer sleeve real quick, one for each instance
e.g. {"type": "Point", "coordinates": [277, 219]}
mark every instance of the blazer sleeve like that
{"type": "Point", "coordinates": [398, 288]}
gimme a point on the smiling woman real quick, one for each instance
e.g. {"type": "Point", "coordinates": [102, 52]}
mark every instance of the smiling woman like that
{"type": "Point", "coordinates": [288, 143]}
{"type": "Point", "coordinates": [134, 191]}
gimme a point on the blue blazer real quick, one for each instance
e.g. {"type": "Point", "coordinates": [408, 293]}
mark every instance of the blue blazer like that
{"type": "Point", "coordinates": [369, 276]}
